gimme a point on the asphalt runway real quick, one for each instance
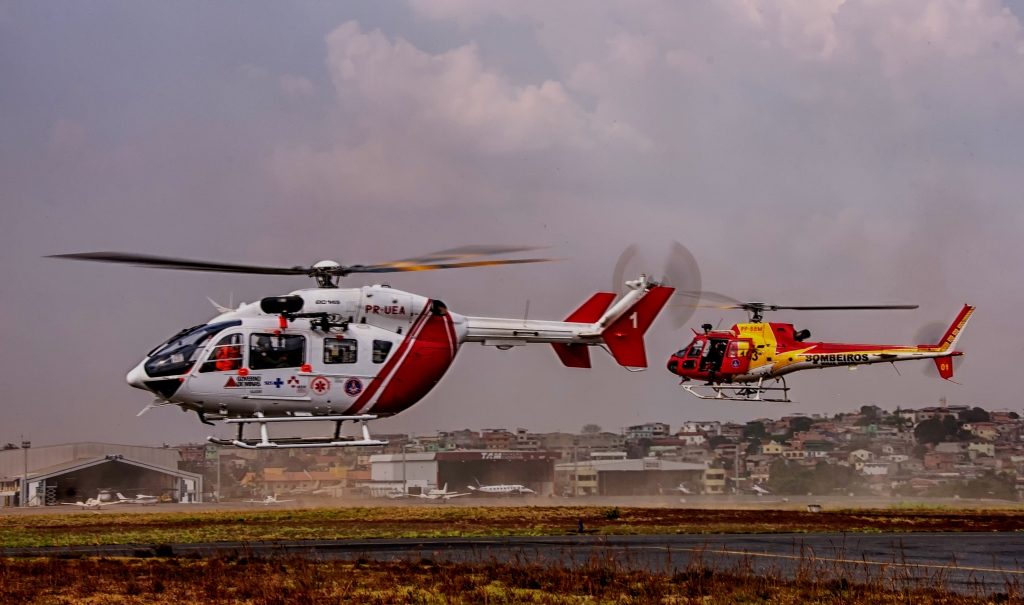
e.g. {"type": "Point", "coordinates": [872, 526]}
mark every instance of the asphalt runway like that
{"type": "Point", "coordinates": [977, 563]}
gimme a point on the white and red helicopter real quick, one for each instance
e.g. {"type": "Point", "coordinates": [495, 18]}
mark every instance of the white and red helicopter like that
{"type": "Point", "coordinates": [335, 354]}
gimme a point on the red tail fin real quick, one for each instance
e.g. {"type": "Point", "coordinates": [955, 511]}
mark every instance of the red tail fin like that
{"type": "Point", "coordinates": [578, 355]}
{"type": "Point", "coordinates": [953, 333]}
{"type": "Point", "coordinates": [625, 336]}
{"type": "Point", "coordinates": [945, 366]}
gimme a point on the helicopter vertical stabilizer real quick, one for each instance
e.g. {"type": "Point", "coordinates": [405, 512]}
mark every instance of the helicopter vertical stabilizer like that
{"type": "Point", "coordinates": [945, 366]}
{"type": "Point", "coordinates": [625, 335]}
{"type": "Point", "coordinates": [955, 331]}
{"type": "Point", "coordinates": [578, 355]}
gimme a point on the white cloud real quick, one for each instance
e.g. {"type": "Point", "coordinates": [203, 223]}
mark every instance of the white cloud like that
{"type": "Point", "coordinates": [454, 95]}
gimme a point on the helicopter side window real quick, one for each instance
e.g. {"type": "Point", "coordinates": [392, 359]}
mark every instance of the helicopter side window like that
{"type": "Point", "coordinates": [381, 348]}
{"type": "Point", "coordinates": [343, 350]}
{"type": "Point", "coordinates": [696, 348]}
{"type": "Point", "coordinates": [268, 351]}
{"type": "Point", "coordinates": [226, 355]}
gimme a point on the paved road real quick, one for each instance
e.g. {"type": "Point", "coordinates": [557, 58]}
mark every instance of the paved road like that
{"type": "Point", "coordinates": [970, 562]}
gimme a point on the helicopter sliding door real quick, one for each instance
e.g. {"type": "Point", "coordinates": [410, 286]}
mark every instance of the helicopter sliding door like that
{"type": "Point", "coordinates": [737, 356]}
{"type": "Point", "coordinates": [349, 364]}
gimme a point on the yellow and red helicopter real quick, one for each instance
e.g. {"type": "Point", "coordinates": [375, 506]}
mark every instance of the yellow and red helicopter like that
{"type": "Point", "coordinates": [749, 361]}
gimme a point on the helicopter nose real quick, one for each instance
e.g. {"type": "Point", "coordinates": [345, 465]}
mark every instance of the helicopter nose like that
{"type": "Point", "coordinates": [137, 377]}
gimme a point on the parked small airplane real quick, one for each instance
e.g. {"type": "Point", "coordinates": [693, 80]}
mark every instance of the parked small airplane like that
{"type": "Point", "coordinates": [441, 494]}
{"type": "Point", "coordinates": [91, 503]}
{"type": "Point", "coordinates": [501, 490]}
{"type": "Point", "coordinates": [269, 501]}
{"type": "Point", "coordinates": [757, 489]}
{"type": "Point", "coordinates": [142, 499]}
{"type": "Point", "coordinates": [682, 489]}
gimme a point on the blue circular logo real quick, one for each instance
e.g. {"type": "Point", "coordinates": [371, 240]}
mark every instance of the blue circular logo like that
{"type": "Point", "coordinates": [353, 387]}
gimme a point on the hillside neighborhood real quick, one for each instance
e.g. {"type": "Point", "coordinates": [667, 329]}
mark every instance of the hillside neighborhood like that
{"type": "Point", "coordinates": [939, 451]}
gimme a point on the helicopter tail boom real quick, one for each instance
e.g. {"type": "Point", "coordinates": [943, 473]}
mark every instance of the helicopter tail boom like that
{"type": "Point", "coordinates": [578, 355]}
{"type": "Point", "coordinates": [620, 326]}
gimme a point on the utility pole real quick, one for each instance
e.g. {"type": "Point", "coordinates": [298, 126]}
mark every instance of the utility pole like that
{"type": "Point", "coordinates": [575, 467]}
{"type": "Point", "coordinates": [405, 483]}
{"type": "Point", "coordinates": [25, 444]}
{"type": "Point", "coordinates": [218, 471]}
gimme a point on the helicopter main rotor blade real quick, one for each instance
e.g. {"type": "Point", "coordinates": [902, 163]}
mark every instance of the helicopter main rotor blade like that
{"type": "Point", "coordinates": [180, 264]}
{"type": "Point", "coordinates": [839, 307]}
{"type": "Point", "coordinates": [428, 262]}
{"type": "Point", "coordinates": [465, 252]}
{"type": "Point", "coordinates": [406, 266]}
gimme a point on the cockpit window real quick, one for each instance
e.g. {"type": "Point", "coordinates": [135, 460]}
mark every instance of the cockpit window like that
{"type": "Point", "coordinates": [177, 355]}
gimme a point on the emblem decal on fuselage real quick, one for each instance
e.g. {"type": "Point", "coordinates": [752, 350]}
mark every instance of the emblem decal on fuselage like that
{"type": "Point", "coordinates": [353, 387]}
{"type": "Point", "coordinates": [242, 382]}
{"type": "Point", "coordinates": [320, 385]}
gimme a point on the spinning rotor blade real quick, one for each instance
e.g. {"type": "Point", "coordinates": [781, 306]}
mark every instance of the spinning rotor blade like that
{"type": "Point", "coordinates": [428, 262]}
{"type": "Point", "coordinates": [405, 266]}
{"type": "Point", "coordinates": [931, 333]}
{"type": "Point", "coordinates": [619, 273]}
{"type": "Point", "coordinates": [683, 273]}
{"type": "Point", "coordinates": [180, 264]}
{"type": "Point", "coordinates": [839, 307]}
{"type": "Point", "coordinates": [465, 252]}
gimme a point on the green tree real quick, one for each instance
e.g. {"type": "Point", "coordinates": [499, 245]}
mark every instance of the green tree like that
{"type": "Point", "coordinates": [717, 440]}
{"type": "Point", "coordinates": [754, 430]}
{"type": "Point", "coordinates": [590, 429]}
{"type": "Point", "coordinates": [800, 423]}
{"type": "Point", "coordinates": [974, 414]}
{"type": "Point", "coordinates": [935, 430]}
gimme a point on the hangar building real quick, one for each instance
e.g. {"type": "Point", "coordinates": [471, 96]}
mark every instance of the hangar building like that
{"type": "Point", "coordinates": [78, 471]}
{"type": "Point", "coordinates": [635, 477]}
{"type": "Point", "coordinates": [421, 471]}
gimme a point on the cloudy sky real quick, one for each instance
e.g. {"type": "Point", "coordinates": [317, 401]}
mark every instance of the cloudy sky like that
{"type": "Point", "coordinates": [805, 152]}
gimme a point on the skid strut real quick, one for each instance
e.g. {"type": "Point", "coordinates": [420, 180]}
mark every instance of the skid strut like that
{"type": "Point", "coordinates": [265, 442]}
{"type": "Point", "coordinates": [741, 391]}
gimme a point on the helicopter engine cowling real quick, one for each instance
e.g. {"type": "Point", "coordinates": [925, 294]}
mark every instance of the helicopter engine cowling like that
{"type": "Point", "coordinates": [281, 304]}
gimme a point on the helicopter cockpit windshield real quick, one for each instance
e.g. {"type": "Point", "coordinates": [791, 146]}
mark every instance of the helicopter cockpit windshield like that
{"type": "Point", "coordinates": [177, 355]}
{"type": "Point", "coordinates": [692, 353]}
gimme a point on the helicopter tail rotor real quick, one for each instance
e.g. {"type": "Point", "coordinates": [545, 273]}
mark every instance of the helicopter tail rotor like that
{"type": "Point", "coordinates": [681, 272]}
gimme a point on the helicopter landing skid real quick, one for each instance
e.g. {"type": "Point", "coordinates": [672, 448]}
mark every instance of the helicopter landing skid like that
{"type": "Point", "coordinates": [265, 442]}
{"type": "Point", "coordinates": [740, 392]}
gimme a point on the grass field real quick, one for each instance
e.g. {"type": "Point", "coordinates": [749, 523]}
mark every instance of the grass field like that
{"type": "Point", "coordinates": [600, 580]}
{"type": "Point", "coordinates": [111, 527]}
{"type": "Point", "coordinates": [261, 582]}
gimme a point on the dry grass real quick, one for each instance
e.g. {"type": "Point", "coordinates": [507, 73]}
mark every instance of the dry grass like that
{"type": "Point", "coordinates": [260, 582]}
{"type": "Point", "coordinates": [447, 521]}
